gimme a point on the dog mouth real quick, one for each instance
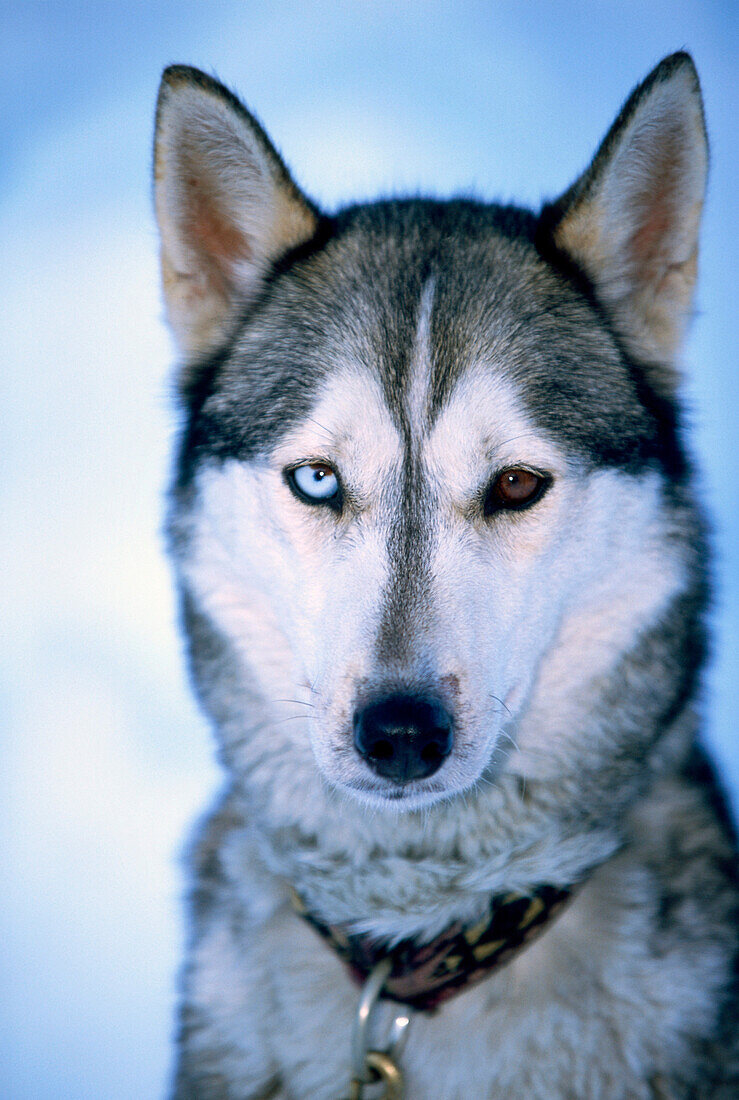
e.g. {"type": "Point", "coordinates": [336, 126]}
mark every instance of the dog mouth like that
{"type": "Point", "coordinates": [406, 796]}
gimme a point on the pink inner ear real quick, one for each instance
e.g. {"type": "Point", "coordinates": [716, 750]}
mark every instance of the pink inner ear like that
{"type": "Point", "coordinates": [213, 233]}
{"type": "Point", "coordinates": [657, 202]}
{"type": "Point", "coordinates": [648, 242]}
{"type": "Point", "coordinates": [218, 238]}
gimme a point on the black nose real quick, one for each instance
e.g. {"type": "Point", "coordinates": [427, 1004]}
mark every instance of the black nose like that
{"type": "Point", "coordinates": [404, 737]}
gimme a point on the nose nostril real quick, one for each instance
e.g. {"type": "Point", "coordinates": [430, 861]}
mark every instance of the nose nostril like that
{"type": "Point", "coordinates": [431, 754]}
{"type": "Point", "coordinates": [381, 750]}
{"type": "Point", "coordinates": [404, 737]}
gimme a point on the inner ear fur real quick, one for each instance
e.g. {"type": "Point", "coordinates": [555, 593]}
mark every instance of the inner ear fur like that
{"type": "Point", "coordinates": [226, 206]}
{"type": "Point", "coordinates": [631, 221]}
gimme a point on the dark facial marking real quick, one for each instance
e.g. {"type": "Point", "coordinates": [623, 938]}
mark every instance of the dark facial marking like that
{"type": "Point", "coordinates": [352, 295]}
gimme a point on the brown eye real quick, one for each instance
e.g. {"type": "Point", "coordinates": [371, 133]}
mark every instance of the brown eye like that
{"type": "Point", "coordinates": [515, 488]}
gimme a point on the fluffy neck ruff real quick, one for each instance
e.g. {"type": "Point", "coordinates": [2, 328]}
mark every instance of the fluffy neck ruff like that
{"type": "Point", "coordinates": [412, 877]}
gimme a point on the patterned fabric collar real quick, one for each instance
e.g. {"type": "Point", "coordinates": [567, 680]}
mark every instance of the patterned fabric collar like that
{"type": "Point", "coordinates": [425, 975]}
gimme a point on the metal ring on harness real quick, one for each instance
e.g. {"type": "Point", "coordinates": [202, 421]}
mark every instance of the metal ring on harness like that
{"type": "Point", "coordinates": [369, 997]}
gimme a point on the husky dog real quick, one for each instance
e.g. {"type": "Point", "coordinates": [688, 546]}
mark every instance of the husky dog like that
{"type": "Point", "coordinates": [443, 581]}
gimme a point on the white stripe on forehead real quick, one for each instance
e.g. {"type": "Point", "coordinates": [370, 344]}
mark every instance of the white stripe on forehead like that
{"type": "Point", "coordinates": [420, 364]}
{"type": "Point", "coordinates": [483, 419]}
{"type": "Point", "coordinates": [351, 422]}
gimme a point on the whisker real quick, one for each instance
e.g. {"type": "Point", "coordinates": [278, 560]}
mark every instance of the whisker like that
{"type": "Point", "coordinates": [497, 700]}
{"type": "Point", "coordinates": [509, 737]}
{"type": "Point", "coordinates": [515, 438]}
{"type": "Point", "coordinates": [248, 734]}
{"type": "Point", "coordinates": [312, 420]}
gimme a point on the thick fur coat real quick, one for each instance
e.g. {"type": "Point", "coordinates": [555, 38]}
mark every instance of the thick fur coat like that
{"type": "Point", "coordinates": [431, 458]}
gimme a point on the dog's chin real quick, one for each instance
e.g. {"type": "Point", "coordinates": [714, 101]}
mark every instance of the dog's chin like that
{"type": "Point", "coordinates": [400, 798]}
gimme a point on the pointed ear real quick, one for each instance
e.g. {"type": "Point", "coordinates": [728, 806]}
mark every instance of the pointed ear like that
{"type": "Point", "coordinates": [631, 221]}
{"type": "Point", "coordinates": [226, 206]}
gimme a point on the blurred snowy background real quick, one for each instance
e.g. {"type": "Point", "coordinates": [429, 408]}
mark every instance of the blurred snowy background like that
{"type": "Point", "coordinates": [104, 761]}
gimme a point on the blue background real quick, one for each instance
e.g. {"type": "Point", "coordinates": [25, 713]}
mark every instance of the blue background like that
{"type": "Point", "coordinates": [105, 762]}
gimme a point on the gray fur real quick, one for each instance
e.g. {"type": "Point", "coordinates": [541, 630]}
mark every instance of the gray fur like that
{"type": "Point", "coordinates": [562, 327]}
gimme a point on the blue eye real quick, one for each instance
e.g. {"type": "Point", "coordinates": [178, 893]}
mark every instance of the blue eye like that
{"type": "Point", "coordinates": [315, 483]}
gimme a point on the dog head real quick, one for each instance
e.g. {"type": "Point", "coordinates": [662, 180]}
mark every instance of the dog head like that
{"type": "Point", "coordinates": [427, 505]}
